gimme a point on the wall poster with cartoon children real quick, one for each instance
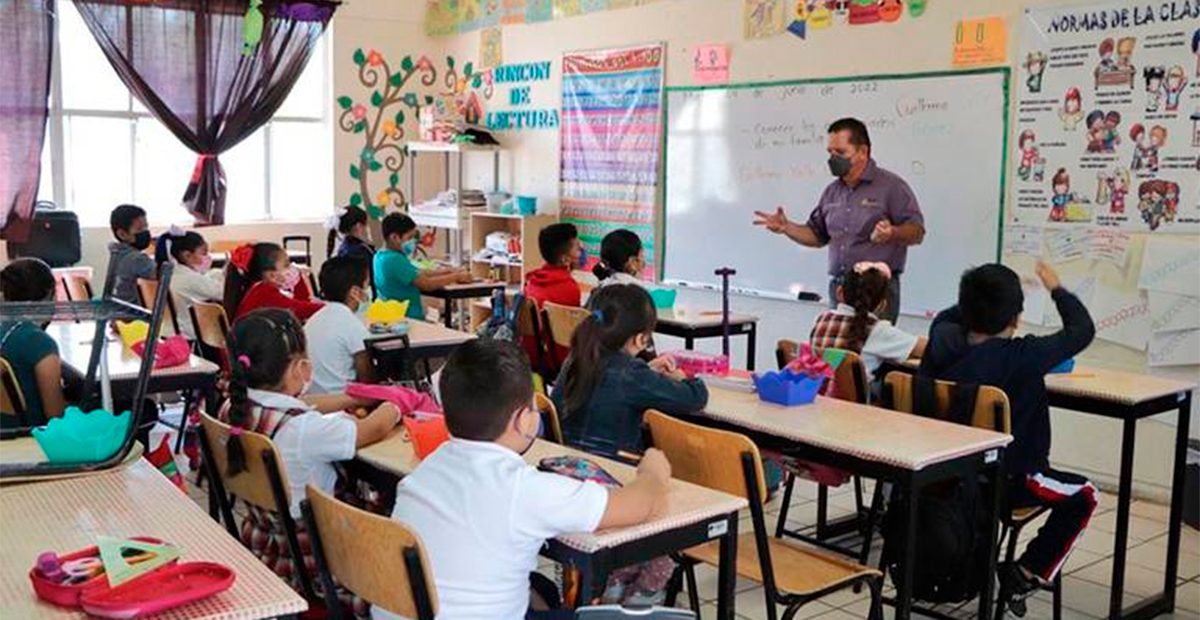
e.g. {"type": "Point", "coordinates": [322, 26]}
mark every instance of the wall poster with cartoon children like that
{"type": "Point", "coordinates": [1106, 117]}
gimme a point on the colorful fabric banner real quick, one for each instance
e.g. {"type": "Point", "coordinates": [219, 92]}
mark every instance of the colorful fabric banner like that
{"type": "Point", "coordinates": [611, 137]}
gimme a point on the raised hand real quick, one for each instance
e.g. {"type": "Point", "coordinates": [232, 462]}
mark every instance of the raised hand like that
{"type": "Point", "coordinates": [776, 222]}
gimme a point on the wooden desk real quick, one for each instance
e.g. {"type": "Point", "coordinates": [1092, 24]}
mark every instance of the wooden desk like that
{"type": "Point", "coordinates": [65, 515]}
{"type": "Point", "coordinates": [910, 451]}
{"type": "Point", "coordinates": [449, 294]}
{"type": "Point", "coordinates": [398, 353]}
{"type": "Point", "coordinates": [693, 515]}
{"type": "Point", "coordinates": [75, 348]}
{"type": "Point", "coordinates": [1128, 397]}
{"type": "Point", "coordinates": [693, 325]}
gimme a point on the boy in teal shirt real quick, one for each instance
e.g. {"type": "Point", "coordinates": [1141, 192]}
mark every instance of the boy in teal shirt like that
{"type": "Point", "coordinates": [396, 277]}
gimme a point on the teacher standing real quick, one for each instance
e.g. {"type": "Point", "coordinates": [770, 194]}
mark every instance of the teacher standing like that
{"type": "Point", "coordinates": [866, 214]}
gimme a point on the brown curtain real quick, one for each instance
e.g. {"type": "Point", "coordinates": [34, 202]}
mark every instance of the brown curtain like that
{"type": "Point", "coordinates": [184, 60]}
{"type": "Point", "coordinates": [26, 43]}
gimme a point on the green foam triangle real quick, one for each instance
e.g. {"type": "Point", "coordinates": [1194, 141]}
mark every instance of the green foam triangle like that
{"type": "Point", "coordinates": [120, 571]}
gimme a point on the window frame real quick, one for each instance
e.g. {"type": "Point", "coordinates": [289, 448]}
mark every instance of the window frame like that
{"type": "Point", "coordinates": [59, 114]}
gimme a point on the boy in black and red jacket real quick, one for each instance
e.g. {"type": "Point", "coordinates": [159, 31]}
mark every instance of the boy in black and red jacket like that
{"type": "Point", "coordinates": [974, 342]}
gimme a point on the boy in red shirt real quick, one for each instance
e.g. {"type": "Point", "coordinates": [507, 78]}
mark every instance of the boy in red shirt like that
{"type": "Point", "coordinates": [559, 245]}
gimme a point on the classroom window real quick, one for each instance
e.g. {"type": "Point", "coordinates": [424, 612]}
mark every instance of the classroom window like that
{"type": "Point", "coordinates": [103, 148]}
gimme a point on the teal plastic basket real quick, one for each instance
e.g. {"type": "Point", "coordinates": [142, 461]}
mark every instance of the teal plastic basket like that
{"type": "Point", "coordinates": [79, 437]}
{"type": "Point", "coordinates": [664, 298]}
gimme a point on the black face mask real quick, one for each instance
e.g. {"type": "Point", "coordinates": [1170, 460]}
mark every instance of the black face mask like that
{"type": "Point", "coordinates": [839, 166]}
{"type": "Point", "coordinates": [141, 240]}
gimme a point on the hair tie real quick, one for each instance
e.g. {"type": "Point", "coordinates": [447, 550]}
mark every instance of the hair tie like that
{"type": "Point", "coordinates": [235, 431]}
{"type": "Point", "coordinates": [334, 221]}
{"type": "Point", "coordinates": [241, 256]}
{"type": "Point", "coordinates": [244, 360]}
{"type": "Point", "coordinates": [865, 266]}
{"type": "Point", "coordinates": [598, 314]}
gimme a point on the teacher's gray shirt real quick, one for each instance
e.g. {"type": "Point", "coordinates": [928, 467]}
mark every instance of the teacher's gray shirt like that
{"type": "Point", "coordinates": [845, 217]}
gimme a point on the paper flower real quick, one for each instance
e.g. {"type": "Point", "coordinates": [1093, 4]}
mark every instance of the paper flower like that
{"type": "Point", "coordinates": [424, 64]}
{"type": "Point", "coordinates": [359, 111]}
{"type": "Point", "coordinates": [374, 58]}
{"type": "Point", "coordinates": [382, 197]}
{"type": "Point", "coordinates": [390, 129]}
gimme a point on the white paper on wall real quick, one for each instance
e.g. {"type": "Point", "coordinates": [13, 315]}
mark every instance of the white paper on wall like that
{"type": "Point", "coordinates": [1023, 240]}
{"type": "Point", "coordinates": [1121, 316]}
{"type": "Point", "coordinates": [1108, 245]}
{"type": "Point", "coordinates": [1084, 287]}
{"type": "Point", "coordinates": [1171, 265]}
{"type": "Point", "coordinates": [1065, 245]}
{"type": "Point", "coordinates": [1036, 301]}
{"type": "Point", "coordinates": [1170, 312]}
{"type": "Point", "coordinates": [1175, 348]}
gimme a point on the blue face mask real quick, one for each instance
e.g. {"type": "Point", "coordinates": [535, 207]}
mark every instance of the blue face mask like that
{"type": "Point", "coordinates": [409, 247]}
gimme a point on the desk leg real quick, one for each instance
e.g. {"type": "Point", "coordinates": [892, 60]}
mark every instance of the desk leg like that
{"type": "Point", "coordinates": [904, 593]}
{"type": "Point", "coordinates": [727, 570]}
{"type": "Point", "coordinates": [987, 595]}
{"type": "Point", "coordinates": [751, 342]}
{"type": "Point", "coordinates": [689, 343]}
{"type": "Point", "coordinates": [448, 310]}
{"type": "Point", "coordinates": [1182, 424]}
{"type": "Point", "coordinates": [1121, 538]}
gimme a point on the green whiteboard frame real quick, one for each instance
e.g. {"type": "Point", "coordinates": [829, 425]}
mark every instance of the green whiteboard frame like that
{"type": "Point", "coordinates": [1006, 86]}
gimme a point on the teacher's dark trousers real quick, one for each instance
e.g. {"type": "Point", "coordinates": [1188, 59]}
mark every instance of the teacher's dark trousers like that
{"type": "Point", "coordinates": [891, 313]}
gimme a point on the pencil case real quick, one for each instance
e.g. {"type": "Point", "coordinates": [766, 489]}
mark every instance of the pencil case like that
{"type": "Point", "coordinates": [65, 595]}
{"type": "Point", "coordinates": [694, 363]}
{"type": "Point", "coordinates": [427, 432]}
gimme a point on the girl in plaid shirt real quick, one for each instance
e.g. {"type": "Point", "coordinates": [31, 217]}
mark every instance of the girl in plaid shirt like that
{"type": "Point", "coordinates": [854, 325]}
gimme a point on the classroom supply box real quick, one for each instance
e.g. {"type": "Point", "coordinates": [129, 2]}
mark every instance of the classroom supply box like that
{"type": "Point", "coordinates": [787, 388]}
{"type": "Point", "coordinates": [664, 298]}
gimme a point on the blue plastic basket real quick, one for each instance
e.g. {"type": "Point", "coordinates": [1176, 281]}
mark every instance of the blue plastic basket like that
{"type": "Point", "coordinates": [1066, 367]}
{"type": "Point", "coordinates": [787, 388]}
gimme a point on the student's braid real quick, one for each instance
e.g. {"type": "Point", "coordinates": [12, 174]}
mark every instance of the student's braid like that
{"type": "Point", "coordinates": [864, 291]}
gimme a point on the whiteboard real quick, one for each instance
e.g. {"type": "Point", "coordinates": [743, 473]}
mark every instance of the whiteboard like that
{"type": "Point", "coordinates": [735, 149]}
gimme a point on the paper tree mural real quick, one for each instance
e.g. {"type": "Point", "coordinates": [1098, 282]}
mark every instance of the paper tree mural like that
{"type": "Point", "coordinates": [380, 119]}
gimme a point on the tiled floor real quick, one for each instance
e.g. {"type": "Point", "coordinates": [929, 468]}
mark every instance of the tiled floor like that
{"type": "Point", "coordinates": [1085, 585]}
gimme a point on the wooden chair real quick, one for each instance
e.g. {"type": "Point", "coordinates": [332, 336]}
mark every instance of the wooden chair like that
{"type": "Point", "coordinates": [78, 287]}
{"type": "Point", "coordinates": [12, 399]}
{"type": "Point", "coordinates": [148, 291]}
{"type": "Point", "coordinates": [263, 485]}
{"type": "Point", "coordinates": [791, 574]}
{"type": "Point", "coordinates": [529, 325]}
{"type": "Point", "coordinates": [306, 240]}
{"type": "Point", "coordinates": [309, 279]}
{"type": "Point", "coordinates": [549, 412]}
{"type": "Point", "coordinates": [377, 558]}
{"type": "Point", "coordinates": [224, 246]}
{"type": "Point", "coordinates": [991, 412]}
{"type": "Point", "coordinates": [851, 384]}
{"type": "Point", "coordinates": [560, 322]}
{"type": "Point", "coordinates": [211, 327]}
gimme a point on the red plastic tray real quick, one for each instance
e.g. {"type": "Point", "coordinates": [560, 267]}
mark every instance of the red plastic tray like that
{"type": "Point", "coordinates": [163, 589]}
{"type": "Point", "coordinates": [68, 595]}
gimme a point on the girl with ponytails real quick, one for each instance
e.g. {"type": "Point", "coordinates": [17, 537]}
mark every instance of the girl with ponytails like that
{"type": "Point", "coordinates": [262, 276]}
{"type": "Point", "coordinates": [270, 372]}
{"type": "Point", "coordinates": [351, 226]}
{"type": "Point", "coordinates": [604, 388]}
{"type": "Point", "coordinates": [622, 259]}
{"type": "Point", "coordinates": [194, 278]}
{"type": "Point", "coordinates": [854, 325]}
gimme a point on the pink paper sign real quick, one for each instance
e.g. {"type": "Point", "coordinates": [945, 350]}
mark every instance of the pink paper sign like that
{"type": "Point", "coordinates": [710, 64]}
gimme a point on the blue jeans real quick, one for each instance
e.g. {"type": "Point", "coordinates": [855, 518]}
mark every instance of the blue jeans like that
{"type": "Point", "coordinates": [891, 312]}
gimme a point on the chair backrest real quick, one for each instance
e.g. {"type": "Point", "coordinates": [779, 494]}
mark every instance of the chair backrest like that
{"type": "Point", "coordinates": [252, 485]}
{"type": "Point", "coordinates": [850, 380]}
{"type": "Point", "coordinates": [12, 399]}
{"type": "Point", "coordinates": [992, 410]}
{"type": "Point", "coordinates": [77, 286]}
{"type": "Point", "coordinates": [309, 278]}
{"type": "Point", "coordinates": [148, 291]}
{"type": "Point", "coordinates": [210, 323]}
{"type": "Point", "coordinates": [549, 412]}
{"type": "Point", "coordinates": [561, 321]}
{"type": "Point", "coordinates": [373, 556]}
{"type": "Point", "coordinates": [706, 456]}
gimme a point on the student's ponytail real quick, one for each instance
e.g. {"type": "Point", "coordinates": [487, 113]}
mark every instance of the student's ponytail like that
{"type": "Point", "coordinates": [618, 313]}
{"type": "Point", "coordinates": [262, 345]}
{"type": "Point", "coordinates": [864, 288]}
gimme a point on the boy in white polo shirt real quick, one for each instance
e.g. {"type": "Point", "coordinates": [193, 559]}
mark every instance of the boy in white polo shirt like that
{"type": "Point", "coordinates": [336, 333]}
{"type": "Point", "coordinates": [481, 511]}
